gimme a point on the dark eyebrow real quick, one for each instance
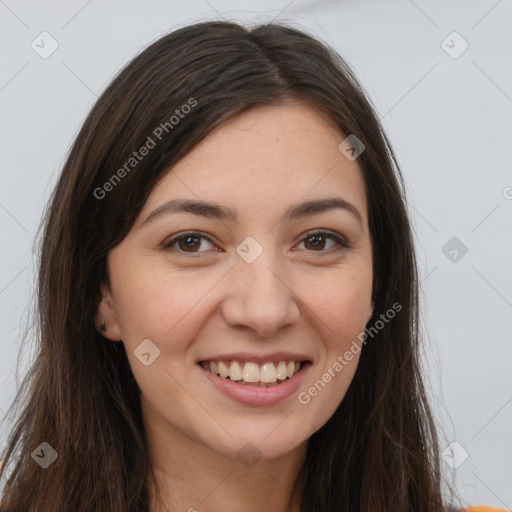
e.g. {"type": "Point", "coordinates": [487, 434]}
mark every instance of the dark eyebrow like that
{"type": "Point", "coordinates": [217, 211]}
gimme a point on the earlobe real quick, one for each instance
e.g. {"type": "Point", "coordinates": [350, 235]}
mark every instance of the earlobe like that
{"type": "Point", "coordinates": [106, 318]}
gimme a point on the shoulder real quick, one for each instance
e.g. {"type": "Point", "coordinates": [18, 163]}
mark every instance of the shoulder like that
{"type": "Point", "coordinates": [482, 508]}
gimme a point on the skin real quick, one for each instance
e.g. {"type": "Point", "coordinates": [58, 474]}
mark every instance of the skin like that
{"type": "Point", "coordinates": [295, 296]}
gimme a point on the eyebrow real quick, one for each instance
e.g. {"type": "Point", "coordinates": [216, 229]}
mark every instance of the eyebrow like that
{"type": "Point", "coordinates": [216, 211]}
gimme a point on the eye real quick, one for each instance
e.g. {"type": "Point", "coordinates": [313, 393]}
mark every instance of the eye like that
{"type": "Point", "coordinates": [314, 240]}
{"type": "Point", "coordinates": [188, 242]}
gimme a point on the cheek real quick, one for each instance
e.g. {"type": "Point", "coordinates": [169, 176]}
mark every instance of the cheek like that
{"type": "Point", "coordinates": [341, 301]}
{"type": "Point", "coordinates": [158, 303]}
{"type": "Point", "coordinates": [340, 306]}
{"type": "Point", "coordinates": [163, 307]}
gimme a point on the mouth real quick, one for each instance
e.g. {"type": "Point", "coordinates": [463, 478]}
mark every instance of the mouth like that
{"type": "Point", "coordinates": [256, 384]}
{"type": "Point", "coordinates": [249, 373]}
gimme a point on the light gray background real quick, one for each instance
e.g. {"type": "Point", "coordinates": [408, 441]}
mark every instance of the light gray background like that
{"type": "Point", "coordinates": [450, 123]}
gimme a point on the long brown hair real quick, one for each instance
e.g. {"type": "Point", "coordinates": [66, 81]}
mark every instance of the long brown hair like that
{"type": "Point", "coordinates": [378, 452]}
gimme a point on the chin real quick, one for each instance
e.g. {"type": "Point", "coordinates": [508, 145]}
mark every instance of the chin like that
{"type": "Point", "coordinates": [263, 439]}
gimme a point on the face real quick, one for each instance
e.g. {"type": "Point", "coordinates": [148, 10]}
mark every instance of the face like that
{"type": "Point", "coordinates": [200, 290]}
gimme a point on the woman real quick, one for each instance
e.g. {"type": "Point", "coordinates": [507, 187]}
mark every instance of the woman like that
{"type": "Point", "coordinates": [278, 368]}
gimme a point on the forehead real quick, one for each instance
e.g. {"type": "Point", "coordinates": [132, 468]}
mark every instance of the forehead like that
{"type": "Point", "coordinates": [265, 158]}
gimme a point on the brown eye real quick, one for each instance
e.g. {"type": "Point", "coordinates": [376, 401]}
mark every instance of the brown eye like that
{"type": "Point", "coordinates": [316, 242]}
{"type": "Point", "coordinates": [187, 243]}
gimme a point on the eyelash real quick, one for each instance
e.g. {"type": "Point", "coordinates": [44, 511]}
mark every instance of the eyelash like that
{"type": "Point", "coordinates": [341, 242]}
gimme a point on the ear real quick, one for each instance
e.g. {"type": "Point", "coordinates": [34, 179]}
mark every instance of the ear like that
{"type": "Point", "coordinates": [107, 312]}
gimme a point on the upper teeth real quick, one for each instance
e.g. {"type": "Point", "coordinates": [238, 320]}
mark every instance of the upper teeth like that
{"type": "Point", "coordinates": [253, 372]}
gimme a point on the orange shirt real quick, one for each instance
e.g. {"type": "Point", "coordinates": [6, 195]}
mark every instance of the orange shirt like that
{"type": "Point", "coordinates": [482, 508]}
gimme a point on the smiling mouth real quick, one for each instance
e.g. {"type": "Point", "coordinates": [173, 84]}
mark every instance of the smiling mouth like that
{"type": "Point", "coordinates": [249, 373]}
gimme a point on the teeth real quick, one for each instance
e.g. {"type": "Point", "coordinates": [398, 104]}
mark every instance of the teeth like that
{"type": "Point", "coordinates": [235, 371]}
{"type": "Point", "coordinates": [282, 372]}
{"type": "Point", "coordinates": [268, 373]}
{"type": "Point", "coordinates": [290, 368]}
{"type": "Point", "coordinates": [223, 369]}
{"type": "Point", "coordinates": [250, 372]}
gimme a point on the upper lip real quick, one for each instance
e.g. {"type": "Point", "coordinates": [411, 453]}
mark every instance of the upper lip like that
{"type": "Point", "coordinates": [257, 358]}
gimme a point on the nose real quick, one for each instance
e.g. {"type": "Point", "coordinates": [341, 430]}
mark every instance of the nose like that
{"type": "Point", "coordinates": [260, 297]}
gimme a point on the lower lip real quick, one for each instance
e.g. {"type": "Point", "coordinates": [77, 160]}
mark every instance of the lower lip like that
{"type": "Point", "coordinates": [256, 395]}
